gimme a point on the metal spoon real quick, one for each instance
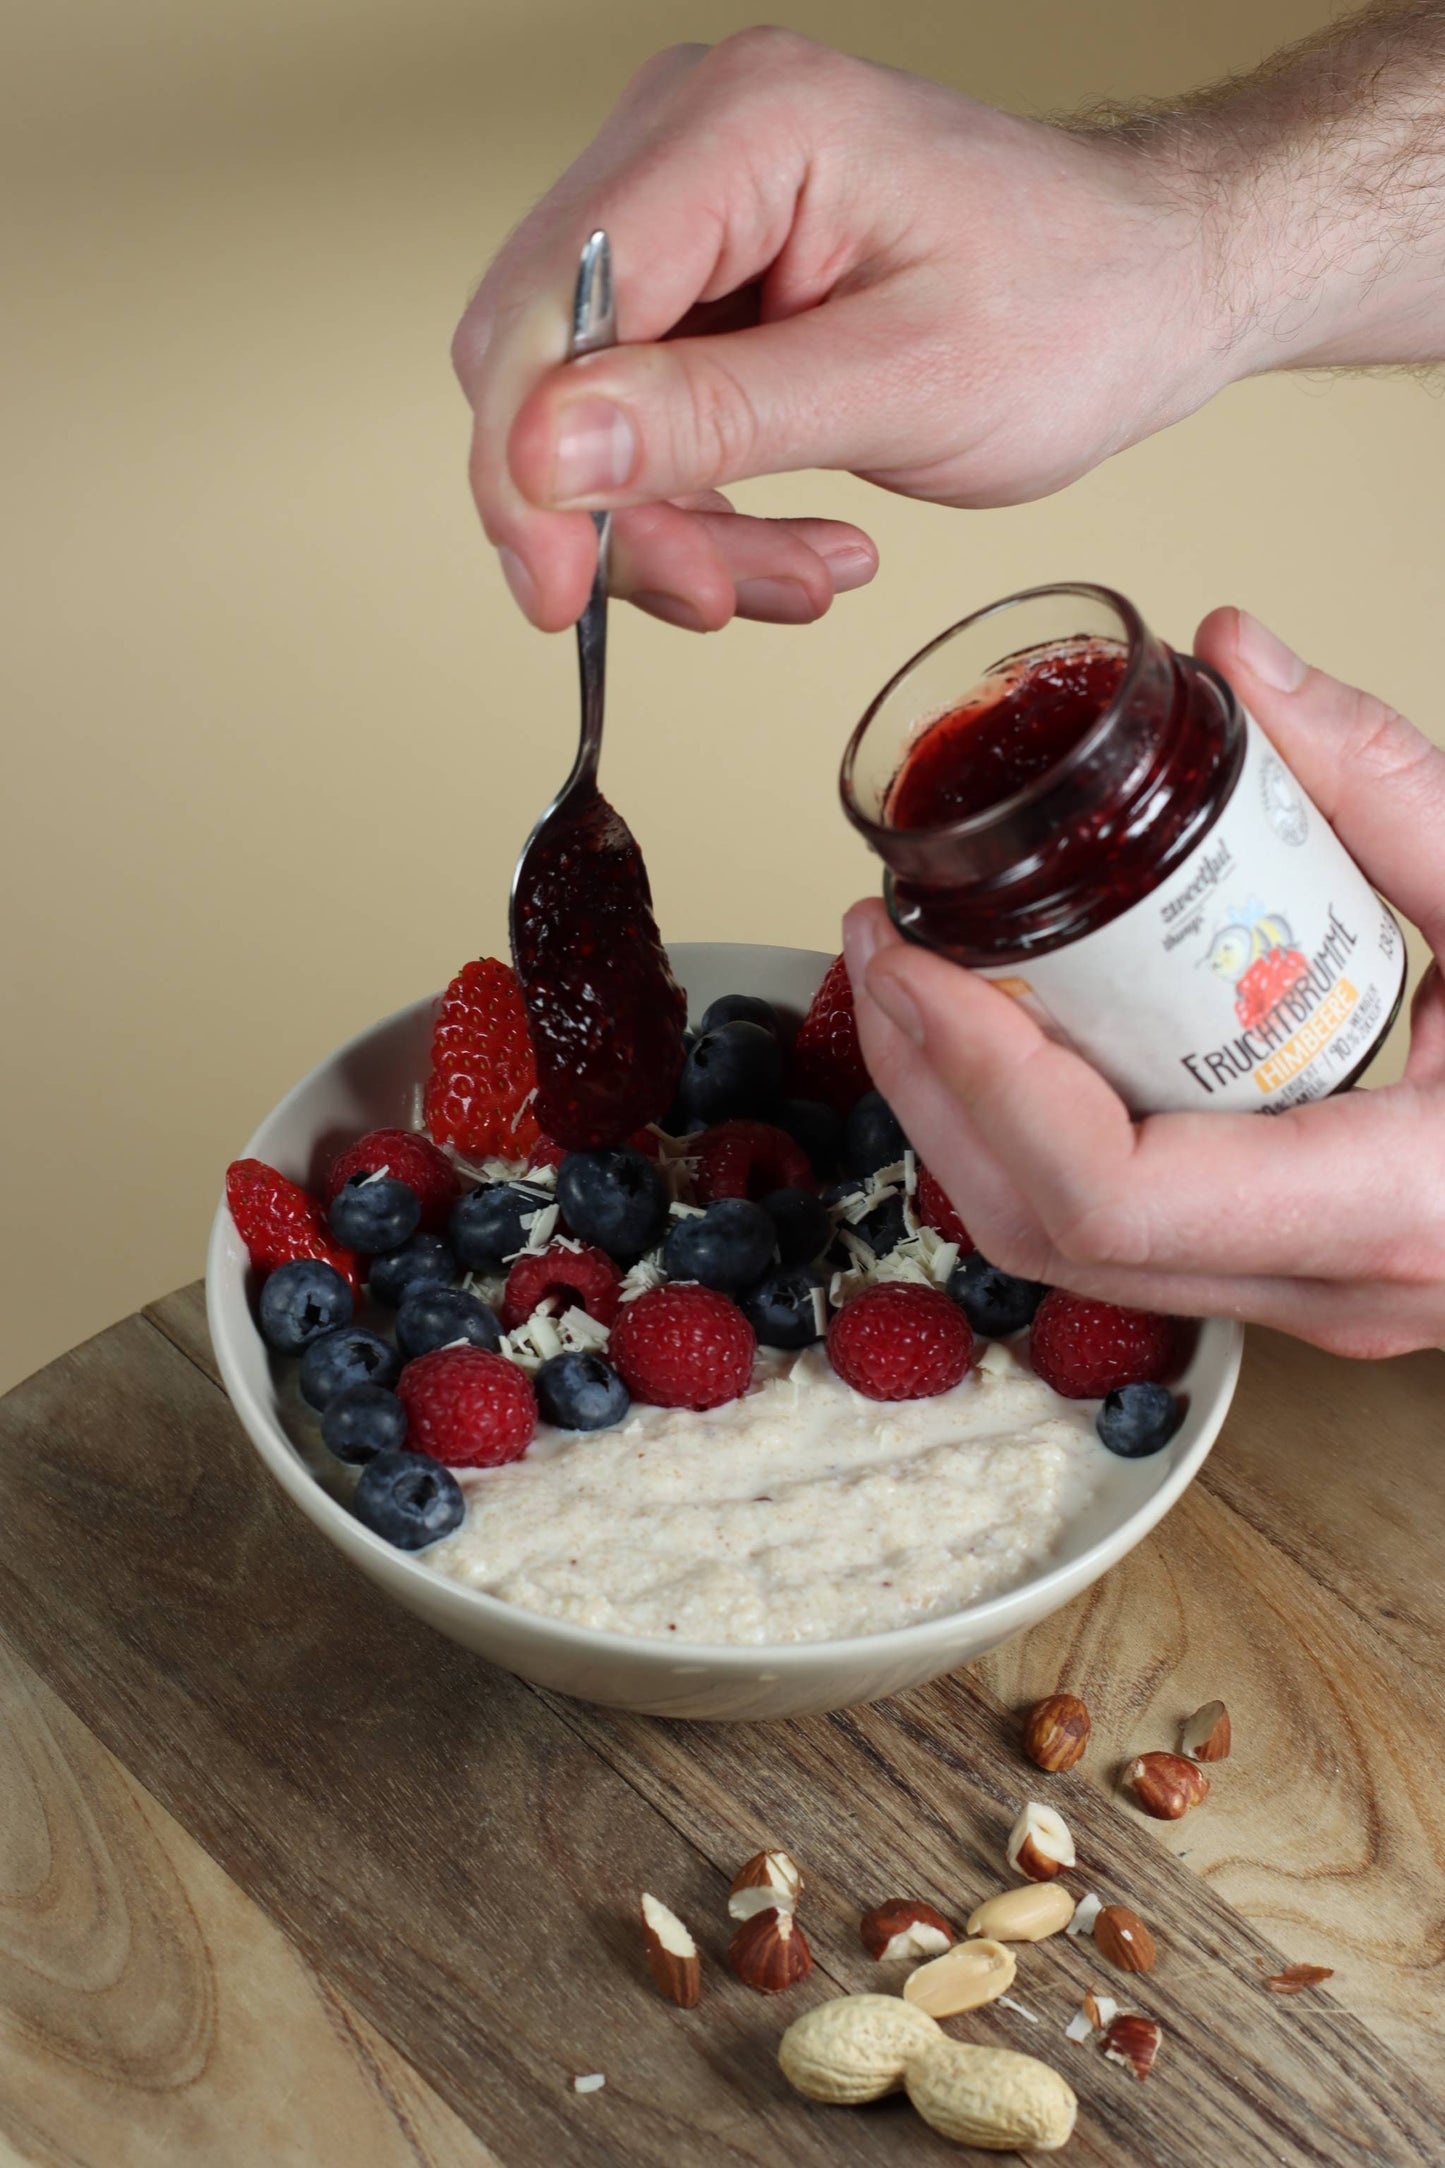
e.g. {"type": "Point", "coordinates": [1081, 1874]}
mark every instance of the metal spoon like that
{"type": "Point", "coordinates": [605, 1015]}
{"type": "Point", "coordinates": [594, 327]}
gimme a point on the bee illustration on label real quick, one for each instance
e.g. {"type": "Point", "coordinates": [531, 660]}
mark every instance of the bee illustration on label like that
{"type": "Point", "coordinates": [1254, 950]}
{"type": "Point", "coordinates": [1284, 805]}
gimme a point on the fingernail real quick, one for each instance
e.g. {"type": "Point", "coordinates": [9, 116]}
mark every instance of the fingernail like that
{"type": "Point", "coordinates": [596, 450]}
{"type": "Point", "coordinates": [520, 580]}
{"type": "Point", "coordinates": [897, 1003]}
{"type": "Point", "coordinates": [1268, 657]}
{"type": "Point", "coordinates": [672, 609]}
{"type": "Point", "coordinates": [850, 567]}
{"type": "Point", "coordinates": [781, 602]}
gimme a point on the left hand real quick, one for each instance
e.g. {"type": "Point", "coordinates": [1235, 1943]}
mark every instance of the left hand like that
{"type": "Point", "coordinates": [1327, 1220]}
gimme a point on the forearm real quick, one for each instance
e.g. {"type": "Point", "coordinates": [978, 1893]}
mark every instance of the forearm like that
{"type": "Point", "coordinates": [1319, 185]}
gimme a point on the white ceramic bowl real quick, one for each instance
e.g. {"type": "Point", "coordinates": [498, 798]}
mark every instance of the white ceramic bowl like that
{"type": "Point", "coordinates": [375, 1082]}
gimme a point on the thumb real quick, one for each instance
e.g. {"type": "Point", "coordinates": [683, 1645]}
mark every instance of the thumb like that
{"type": "Point", "coordinates": [1378, 781]}
{"type": "Point", "coordinates": [640, 423]}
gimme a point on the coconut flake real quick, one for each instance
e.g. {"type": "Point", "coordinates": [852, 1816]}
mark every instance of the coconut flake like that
{"type": "Point", "coordinates": [541, 1225]}
{"type": "Point", "coordinates": [678, 1210]}
{"type": "Point", "coordinates": [581, 1332]}
{"type": "Point", "coordinates": [1008, 2003]}
{"type": "Point", "coordinates": [592, 2083]}
{"type": "Point", "coordinates": [820, 1310]}
{"type": "Point", "coordinates": [1088, 1908]}
{"type": "Point", "coordinates": [641, 1279]}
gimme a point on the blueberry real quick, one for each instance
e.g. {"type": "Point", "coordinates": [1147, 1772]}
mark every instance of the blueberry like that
{"type": "Point", "coordinates": [741, 1009]}
{"type": "Point", "coordinates": [363, 1421]}
{"type": "Point", "coordinates": [818, 1128]}
{"type": "Point", "coordinates": [802, 1223]}
{"type": "Point", "coordinates": [780, 1308]}
{"type": "Point", "coordinates": [725, 1247]}
{"type": "Point", "coordinates": [1137, 1420]}
{"type": "Point", "coordinates": [486, 1227]}
{"type": "Point", "coordinates": [616, 1198]}
{"type": "Point", "coordinates": [300, 1302]}
{"type": "Point", "coordinates": [351, 1356]}
{"type": "Point", "coordinates": [579, 1391]}
{"type": "Point", "coordinates": [371, 1212]}
{"type": "Point", "coordinates": [425, 1257]}
{"type": "Point", "coordinates": [874, 1137]}
{"type": "Point", "coordinates": [432, 1317]}
{"type": "Point", "coordinates": [409, 1499]}
{"type": "Point", "coordinates": [994, 1302]}
{"type": "Point", "coordinates": [735, 1070]}
{"type": "Point", "coordinates": [882, 1230]}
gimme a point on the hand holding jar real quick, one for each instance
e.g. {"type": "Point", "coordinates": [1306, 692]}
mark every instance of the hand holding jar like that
{"type": "Point", "coordinates": [1325, 1219]}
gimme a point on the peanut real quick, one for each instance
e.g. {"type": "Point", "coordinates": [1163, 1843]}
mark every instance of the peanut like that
{"type": "Point", "coordinates": [963, 1978]}
{"type": "Point", "coordinates": [991, 2097]}
{"type": "Point", "coordinates": [1028, 1914]}
{"type": "Point", "coordinates": [854, 2049]}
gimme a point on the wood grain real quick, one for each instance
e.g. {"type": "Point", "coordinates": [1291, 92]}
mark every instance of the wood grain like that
{"type": "Point", "coordinates": [397, 1806]}
{"type": "Point", "coordinates": [151, 2016]}
{"type": "Point", "coordinates": [1299, 1580]}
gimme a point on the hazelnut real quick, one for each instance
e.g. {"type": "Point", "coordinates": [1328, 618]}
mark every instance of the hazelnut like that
{"type": "Point", "coordinates": [904, 1927]}
{"type": "Point", "coordinates": [768, 1882]}
{"type": "Point", "coordinates": [769, 1952]}
{"type": "Point", "coordinates": [1206, 1734]}
{"type": "Point", "coordinates": [1166, 1785]}
{"type": "Point", "coordinates": [1056, 1732]}
{"type": "Point", "coordinates": [1121, 1936]}
{"type": "Point", "coordinates": [1133, 2041]}
{"type": "Point", "coordinates": [1039, 1845]}
{"type": "Point", "coordinates": [671, 1954]}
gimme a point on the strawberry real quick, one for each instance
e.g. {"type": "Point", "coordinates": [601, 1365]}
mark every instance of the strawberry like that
{"type": "Point", "coordinates": [932, 1205]}
{"type": "Point", "coordinates": [683, 1346]}
{"type": "Point", "coordinates": [900, 1341]}
{"type": "Point", "coordinates": [468, 1408]}
{"type": "Point", "coordinates": [1086, 1349]}
{"type": "Point", "coordinates": [408, 1158]}
{"type": "Point", "coordinates": [827, 1059]}
{"type": "Point", "coordinates": [280, 1222]}
{"type": "Point", "coordinates": [483, 1078]}
{"type": "Point", "coordinates": [584, 1276]}
{"type": "Point", "coordinates": [748, 1159]}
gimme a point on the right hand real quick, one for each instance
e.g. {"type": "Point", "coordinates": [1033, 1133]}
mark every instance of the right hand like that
{"type": "Point", "coordinates": [819, 263]}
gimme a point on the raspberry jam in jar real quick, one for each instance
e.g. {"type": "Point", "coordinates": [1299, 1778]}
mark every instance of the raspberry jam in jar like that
{"type": "Point", "coordinates": [1075, 811]}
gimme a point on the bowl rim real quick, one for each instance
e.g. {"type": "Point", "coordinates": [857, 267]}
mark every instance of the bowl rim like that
{"type": "Point", "coordinates": [991, 1616]}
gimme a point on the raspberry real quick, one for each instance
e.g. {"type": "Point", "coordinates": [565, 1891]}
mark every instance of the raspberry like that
{"type": "Point", "coordinates": [483, 1078]}
{"type": "Point", "coordinates": [932, 1206]}
{"type": "Point", "coordinates": [749, 1159]}
{"type": "Point", "coordinates": [1264, 985]}
{"type": "Point", "coordinates": [407, 1158]}
{"type": "Point", "coordinates": [280, 1222]}
{"type": "Point", "coordinates": [1086, 1349]}
{"type": "Point", "coordinates": [683, 1346]}
{"type": "Point", "coordinates": [583, 1276]}
{"type": "Point", "coordinates": [827, 1059]}
{"type": "Point", "coordinates": [467, 1407]}
{"type": "Point", "coordinates": [899, 1341]}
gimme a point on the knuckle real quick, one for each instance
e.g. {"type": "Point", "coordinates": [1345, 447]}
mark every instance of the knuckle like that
{"type": "Point", "coordinates": [1108, 1233]}
{"type": "Point", "coordinates": [720, 417]}
{"type": "Point", "coordinates": [765, 48]}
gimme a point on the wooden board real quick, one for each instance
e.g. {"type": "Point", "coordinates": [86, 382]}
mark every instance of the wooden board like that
{"type": "Point", "coordinates": [458, 1857]}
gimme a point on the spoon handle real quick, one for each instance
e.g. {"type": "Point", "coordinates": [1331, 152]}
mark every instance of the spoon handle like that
{"type": "Point", "coordinates": [594, 326]}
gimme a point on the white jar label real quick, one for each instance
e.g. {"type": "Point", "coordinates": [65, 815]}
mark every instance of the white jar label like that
{"type": "Point", "coordinates": [1260, 973]}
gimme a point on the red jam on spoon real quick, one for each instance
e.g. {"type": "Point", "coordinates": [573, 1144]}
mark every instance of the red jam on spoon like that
{"type": "Point", "coordinates": [606, 1015]}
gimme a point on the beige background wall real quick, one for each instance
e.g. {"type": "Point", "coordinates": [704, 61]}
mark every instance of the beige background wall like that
{"type": "Point", "coordinates": [272, 732]}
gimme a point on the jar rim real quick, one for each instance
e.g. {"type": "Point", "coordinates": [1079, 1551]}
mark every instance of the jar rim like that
{"type": "Point", "coordinates": [1038, 787]}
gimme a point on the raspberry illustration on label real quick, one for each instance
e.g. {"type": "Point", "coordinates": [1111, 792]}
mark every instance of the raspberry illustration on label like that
{"type": "Point", "coordinates": [1255, 950]}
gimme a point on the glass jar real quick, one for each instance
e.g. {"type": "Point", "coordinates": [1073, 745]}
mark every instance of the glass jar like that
{"type": "Point", "coordinates": [1069, 807]}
